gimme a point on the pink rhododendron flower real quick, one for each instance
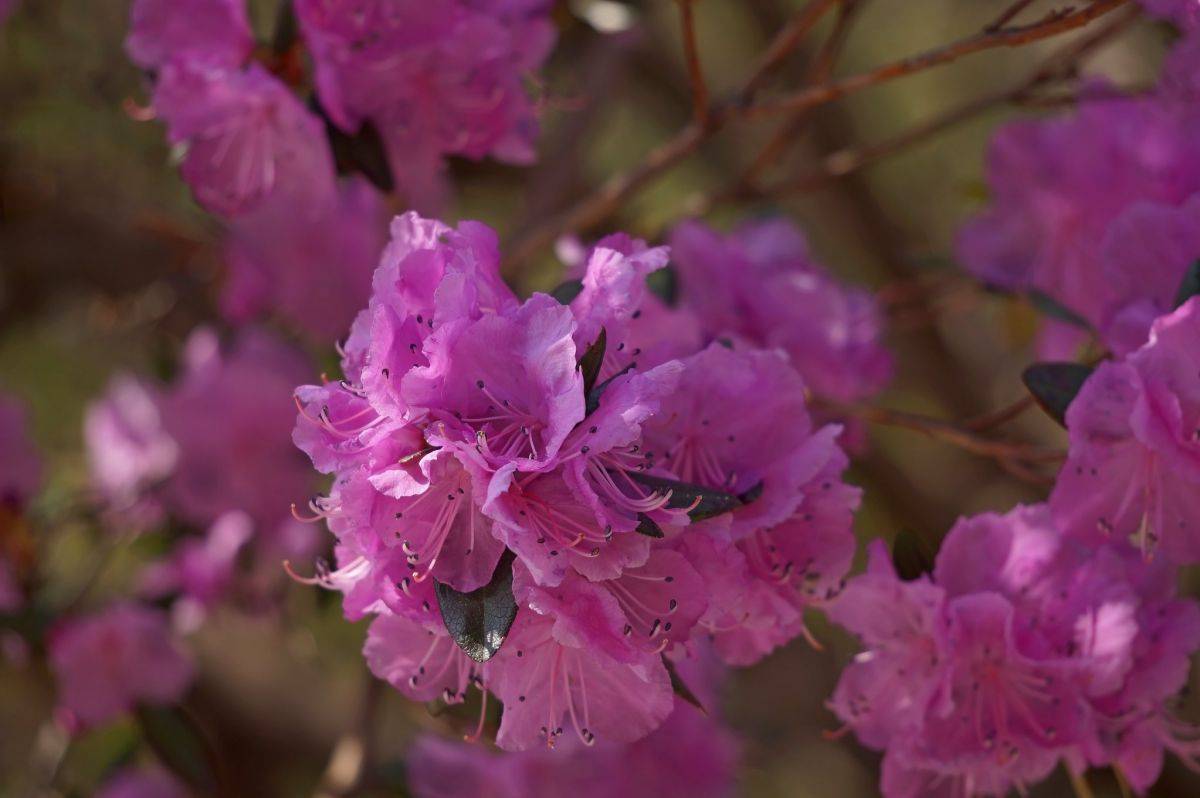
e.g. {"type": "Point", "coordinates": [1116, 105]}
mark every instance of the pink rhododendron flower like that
{"type": "Point", "coordinates": [142, 782]}
{"type": "Point", "coordinates": [228, 414]}
{"type": "Point", "coordinates": [435, 79]}
{"type": "Point", "coordinates": [245, 136]}
{"type": "Point", "coordinates": [20, 462]}
{"type": "Point", "coordinates": [689, 755]}
{"type": "Point", "coordinates": [313, 270]}
{"type": "Point", "coordinates": [1133, 468]}
{"type": "Point", "coordinates": [200, 570]}
{"type": "Point", "coordinates": [704, 434]}
{"type": "Point", "coordinates": [109, 662]}
{"type": "Point", "coordinates": [643, 509]}
{"type": "Point", "coordinates": [760, 284]}
{"type": "Point", "coordinates": [577, 674]}
{"type": "Point", "coordinates": [1026, 648]}
{"type": "Point", "coordinates": [1078, 194]}
{"type": "Point", "coordinates": [164, 30]}
{"type": "Point", "coordinates": [129, 450]}
{"type": "Point", "coordinates": [1145, 255]}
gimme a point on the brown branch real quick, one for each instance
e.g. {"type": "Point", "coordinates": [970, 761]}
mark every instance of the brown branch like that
{"type": "Point", "coordinates": [1052, 25]}
{"type": "Point", "coordinates": [784, 44]}
{"type": "Point", "coordinates": [1009, 14]}
{"type": "Point", "coordinates": [950, 433]}
{"type": "Point", "coordinates": [691, 53]}
{"type": "Point", "coordinates": [595, 207]}
{"type": "Point", "coordinates": [843, 162]}
{"type": "Point", "coordinates": [1004, 415]}
{"type": "Point", "coordinates": [820, 71]}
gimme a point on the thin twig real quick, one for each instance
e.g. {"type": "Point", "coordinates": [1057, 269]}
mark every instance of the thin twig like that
{"type": "Point", "coordinates": [783, 45]}
{"type": "Point", "coordinates": [950, 433]}
{"type": "Point", "coordinates": [1053, 25]}
{"type": "Point", "coordinates": [843, 162]}
{"type": "Point", "coordinates": [595, 207]}
{"type": "Point", "coordinates": [996, 418]}
{"type": "Point", "coordinates": [691, 53]}
{"type": "Point", "coordinates": [1009, 14]}
{"type": "Point", "coordinates": [822, 68]}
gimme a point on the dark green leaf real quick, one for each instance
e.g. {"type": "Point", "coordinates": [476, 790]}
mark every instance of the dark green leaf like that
{"type": "Point", "coordinates": [566, 292]}
{"type": "Point", "coordinates": [649, 527]}
{"type": "Point", "coordinates": [1054, 386]}
{"type": "Point", "coordinates": [591, 362]}
{"type": "Point", "coordinates": [664, 283]}
{"type": "Point", "coordinates": [911, 555]}
{"type": "Point", "coordinates": [286, 29]}
{"type": "Point", "coordinates": [680, 687]}
{"type": "Point", "coordinates": [752, 494]}
{"type": "Point", "coordinates": [180, 745]}
{"type": "Point", "coordinates": [711, 502]}
{"type": "Point", "coordinates": [593, 396]}
{"type": "Point", "coordinates": [479, 621]}
{"type": "Point", "coordinates": [361, 152]}
{"type": "Point", "coordinates": [1048, 306]}
{"type": "Point", "coordinates": [1190, 286]}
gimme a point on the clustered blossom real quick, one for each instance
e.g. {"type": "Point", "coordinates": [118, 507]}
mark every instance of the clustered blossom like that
{"type": "Point", "coordinates": [112, 661]}
{"type": "Point", "coordinates": [1094, 207]}
{"type": "Point", "coordinates": [435, 79]}
{"type": "Point", "coordinates": [1023, 649]}
{"type": "Point", "coordinates": [213, 450]}
{"type": "Point", "coordinates": [617, 474]}
{"type": "Point", "coordinates": [690, 756]}
{"type": "Point", "coordinates": [1133, 468]}
{"type": "Point", "coordinates": [760, 284]}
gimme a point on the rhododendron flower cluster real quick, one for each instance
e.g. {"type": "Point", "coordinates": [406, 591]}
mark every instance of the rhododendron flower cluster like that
{"type": "Point", "coordinates": [1093, 208]}
{"type": "Point", "coordinates": [542, 500]}
{"type": "Point", "coordinates": [435, 79]}
{"type": "Point", "coordinates": [110, 662]}
{"type": "Point", "coordinates": [1024, 648]}
{"type": "Point", "coordinates": [213, 450]}
{"type": "Point", "coordinates": [760, 285]}
{"type": "Point", "coordinates": [1134, 463]}
{"type": "Point", "coordinates": [691, 754]}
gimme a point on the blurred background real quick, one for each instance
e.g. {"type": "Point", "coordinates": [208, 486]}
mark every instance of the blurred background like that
{"type": "Point", "coordinates": [106, 264]}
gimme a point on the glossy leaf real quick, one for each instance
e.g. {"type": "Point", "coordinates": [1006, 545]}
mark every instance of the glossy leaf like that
{"type": "Point", "coordinates": [180, 745]}
{"type": "Point", "coordinates": [1048, 306]}
{"type": "Point", "coordinates": [592, 401]}
{"type": "Point", "coordinates": [592, 360]}
{"type": "Point", "coordinates": [708, 502]}
{"type": "Point", "coordinates": [680, 686]}
{"type": "Point", "coordinates": [1190, 286]}
{"type": "Point", "coordinates": [479, 621]}
{"type": "Point", "coordinates": [911, 555]}
{"type": "Point", "coordinates": [566, 292]}
{"type": "Point", "coordinates": [1055, 385]}
{"type": "Point", "coordinates": [649, 527]}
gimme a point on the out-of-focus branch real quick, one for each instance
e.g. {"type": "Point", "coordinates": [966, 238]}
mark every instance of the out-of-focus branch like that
{"type": "Point", "coordinates": [1007, 451]}
{"type": "Point", "coordinates": [820, 71]}
{"type": "Point", "coordinates": [785, 43]}
{"type": "Point", "coordinates": [691, 54]}
{"type": "Point", "coordinates": [593, 208]}
{"type": "Point", "coordinates": [1009, 14]}
{"type": "Point", "coordinates": [843, 162]}
{"type": "Point", "coordinates": [1054, 24]}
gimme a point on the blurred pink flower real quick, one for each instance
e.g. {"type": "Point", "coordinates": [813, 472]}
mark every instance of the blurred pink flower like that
{"type": "Point", "coordinates": [108, 662]}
